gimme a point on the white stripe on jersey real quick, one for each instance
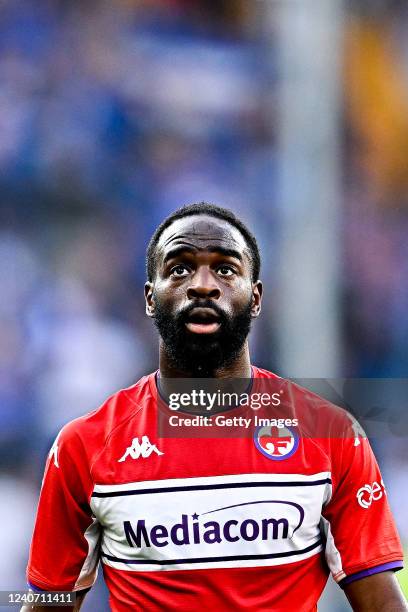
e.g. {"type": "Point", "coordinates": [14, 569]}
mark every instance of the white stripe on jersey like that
{"type": "Point", "coordinates": [203, 480]}
{"type": "Point", "coordinates": [240, 520]}
{"type": "Point", "coordinates": [333, 557]}
{"type": "Point", "coordinates": [89, 570]}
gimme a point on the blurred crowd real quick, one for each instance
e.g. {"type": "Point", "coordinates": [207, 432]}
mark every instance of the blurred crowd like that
{"type": "Point", "coordinates": [113, 114]}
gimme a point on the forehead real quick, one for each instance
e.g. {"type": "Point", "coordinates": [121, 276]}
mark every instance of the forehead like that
{"type": "Point", "coordinates": [202, 232]}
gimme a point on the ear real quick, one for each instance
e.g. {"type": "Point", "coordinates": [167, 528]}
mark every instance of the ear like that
{"type": "Point", "coordinates": [256, 299]}
{"type": "Point", "coordinates": [148, 289]}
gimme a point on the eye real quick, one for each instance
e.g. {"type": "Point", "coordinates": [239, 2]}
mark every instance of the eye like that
{"type": "Point", "coordinates": [225, 270]}
{"type": "Point", "coordinates": [179, 270]}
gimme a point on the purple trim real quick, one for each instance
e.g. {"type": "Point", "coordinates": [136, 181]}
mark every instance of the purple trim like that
{"type": "Point", "coordinates": [35, 588]}
{"type": "Point", "coordinates": [281, 457]}
{"type": "Point", "coordinates": [392, 565]}
{"type": "Point", "coordinates": [38, 590]}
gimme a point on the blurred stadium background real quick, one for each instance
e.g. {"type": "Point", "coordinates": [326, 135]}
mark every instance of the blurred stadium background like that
{"type": "Point", "coordinates": [293, 113]}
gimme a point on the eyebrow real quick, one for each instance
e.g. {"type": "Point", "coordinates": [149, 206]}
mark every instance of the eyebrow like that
{"type": "Point", "coordinates": [212, 249]}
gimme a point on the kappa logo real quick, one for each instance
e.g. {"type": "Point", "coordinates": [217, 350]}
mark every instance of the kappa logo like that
{"type": "Point", "coordinates": [359, 433]}
{"type": "Point", "coordinates": [53, 454]}
{"type": "Point", "coordinates": [140, 449]}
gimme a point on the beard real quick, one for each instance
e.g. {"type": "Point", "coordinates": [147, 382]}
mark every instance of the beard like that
{"type": "Point", "coordinates": [201, 354]}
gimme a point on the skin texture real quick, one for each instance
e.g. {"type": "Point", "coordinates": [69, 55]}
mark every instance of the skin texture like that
{"type": "Point", "coordinates": [200, 269]}
{"type": "Point", "coordinates": [378, 593]}
{"type": "Point", "coordinates": [193, 265]}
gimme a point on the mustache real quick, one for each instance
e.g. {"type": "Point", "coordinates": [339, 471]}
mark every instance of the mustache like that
{"type": "Point", "coordinates": [183, 314]}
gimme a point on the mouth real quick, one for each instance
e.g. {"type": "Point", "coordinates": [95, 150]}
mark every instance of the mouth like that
{"type": "Point", "coordinates": [203, 321]}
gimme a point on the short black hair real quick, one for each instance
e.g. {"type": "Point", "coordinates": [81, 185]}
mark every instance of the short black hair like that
{"type": "Point", "coordinates": [203, 208]}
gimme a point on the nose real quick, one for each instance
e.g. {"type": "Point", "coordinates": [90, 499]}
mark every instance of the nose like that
{"type": "Point", "coordinates": [203, 285]}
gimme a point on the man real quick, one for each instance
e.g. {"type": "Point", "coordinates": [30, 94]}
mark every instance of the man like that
{"type": "Point", "coordinates": [218, 521]}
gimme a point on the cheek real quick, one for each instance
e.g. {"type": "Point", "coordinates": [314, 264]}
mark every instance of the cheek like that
{"type": "Point", "coordinates": [241, 291]}
{"type": "Point", "coordinates": [169, 298]}
{"type": "Point", "coordinates": [238, 297]}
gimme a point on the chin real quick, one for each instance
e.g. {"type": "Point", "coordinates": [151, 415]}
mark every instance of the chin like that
{"type": "Point", "coordinates": [199, 359]}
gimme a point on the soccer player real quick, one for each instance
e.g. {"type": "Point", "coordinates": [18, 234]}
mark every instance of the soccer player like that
{"type": "Point", "coordinates": [213, 522]}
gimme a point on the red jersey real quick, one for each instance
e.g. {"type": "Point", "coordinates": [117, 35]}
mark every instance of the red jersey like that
{"type": "Point", "coordinates": [221, 523]}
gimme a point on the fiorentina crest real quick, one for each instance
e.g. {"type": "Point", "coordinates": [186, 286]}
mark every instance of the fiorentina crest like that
{"type": "Point", "coordinates": [276, 442]}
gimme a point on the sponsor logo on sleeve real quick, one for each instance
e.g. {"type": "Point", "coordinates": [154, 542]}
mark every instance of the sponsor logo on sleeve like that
{"type": "Point", "coordinates": [368, 494]}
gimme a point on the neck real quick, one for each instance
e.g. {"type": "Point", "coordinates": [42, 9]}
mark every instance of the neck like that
{"type": "Point", "coordinates": [239, 368]}
{"type": "Point", "coordinates": [239, 371]}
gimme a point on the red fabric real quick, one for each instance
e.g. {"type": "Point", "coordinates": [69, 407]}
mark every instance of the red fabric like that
{"type": "Point", "coordinates": [88, 454]}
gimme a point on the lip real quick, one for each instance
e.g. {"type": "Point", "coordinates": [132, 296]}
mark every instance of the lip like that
{"type": "Point", "coordinates": [203, 328]}
{"type": "Point", "coordinates": [203, 321]}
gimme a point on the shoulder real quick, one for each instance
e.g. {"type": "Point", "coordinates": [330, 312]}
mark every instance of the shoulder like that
{"type": "Point", "coordinates": [88, 433]}
{"type": "Point", "coordinates": [324, 417]}
{"type": "Point", "coordinates": [318, 417]}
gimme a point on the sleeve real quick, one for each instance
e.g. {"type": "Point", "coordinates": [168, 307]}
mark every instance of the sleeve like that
{"type": "Point", "coordinates": [361, 536]}
{"type": "Point", "coordinates": [64, 549]}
